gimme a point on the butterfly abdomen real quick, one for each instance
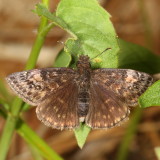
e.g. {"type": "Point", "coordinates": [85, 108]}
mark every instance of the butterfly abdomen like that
{"type": "Point", "coordinates": [83, 82]}
{"type": "Point", "coordinates": [83, 103]}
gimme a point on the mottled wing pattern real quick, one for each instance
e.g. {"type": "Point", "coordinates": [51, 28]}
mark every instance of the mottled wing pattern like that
{"type": "Point", "coordinates": [111, 92]}
{"type": "Point", "coordinates": [53, 90]}
{"type": "Point", "coordinates": [106, 109]}
{"type": "Point", "coordinates": [35, 85]}
{"type": "Point", "coordinates": [126, 83]}
{"type": "Point", "coordinates": [59, 110]}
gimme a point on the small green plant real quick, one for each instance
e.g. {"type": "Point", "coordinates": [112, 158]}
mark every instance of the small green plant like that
{"type": "Point", "coordinates": [91, 33]}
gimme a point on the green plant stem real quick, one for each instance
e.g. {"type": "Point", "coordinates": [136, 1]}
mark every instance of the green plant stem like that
{"type": "Point", "coordinates": [31, 138]}
{"type": "Point", "coordinates": [5, 104]}
{"type": "Point", "coordinates": [37, 45]}
{"type": "Point", "coordinates": [8, 133]}
{"type": "Point", "coordinates": [34, 152]}
{"type": "Point", "coordinates": [3, 91]}
{"type": "Point", "coordinates": [17, 104]}
{"type": "Point", "coordinates": [7, 136]}
{"type": "Point", "coordinates": [128, 137]}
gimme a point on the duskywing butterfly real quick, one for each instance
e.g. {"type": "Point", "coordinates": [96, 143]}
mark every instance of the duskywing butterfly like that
{"type": "Point", "coordinates": [65, 97]}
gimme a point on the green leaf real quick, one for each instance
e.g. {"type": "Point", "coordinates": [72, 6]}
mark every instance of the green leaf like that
{"type": "Point", "coordinates": [81, 134]}
{"type": "Point", "coordinates": [137, 57]}
{"type": "Point", "coordinates": [90, 27]}
{"type": "Point", "coordinates": [92, 32]}
{"type": "Point", "coordinates": [151, 97]}
{"type": "Point", "coordinates": [43, 11]}
{"type": "Point", "coordinates": [63, 59]}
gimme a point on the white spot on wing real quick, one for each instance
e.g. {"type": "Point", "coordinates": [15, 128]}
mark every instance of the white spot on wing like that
{"type": "Point", "coordinates": [81, 119]}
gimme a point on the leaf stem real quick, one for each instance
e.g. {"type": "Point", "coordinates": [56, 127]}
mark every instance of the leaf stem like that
{"type": "Point", "coordinates": [8, 133]}
{"type": "Point", "coordinates": [31, 138]}
{"type": "Point", "coordinates": [37, 45]}
{"type": "Point", "coordinates": [128, 137]}
{"type": "Point", "coordinates": [17, 104]}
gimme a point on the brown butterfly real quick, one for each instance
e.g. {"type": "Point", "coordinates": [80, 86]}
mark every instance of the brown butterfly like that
{"type": "Point", "coordinates": [65, 97]}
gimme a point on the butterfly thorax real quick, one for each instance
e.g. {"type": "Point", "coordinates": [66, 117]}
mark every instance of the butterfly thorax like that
{"type": "Point", "coordinates": [83, 79]}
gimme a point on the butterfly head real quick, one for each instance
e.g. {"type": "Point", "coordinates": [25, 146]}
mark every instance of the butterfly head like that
{"type": "Point", "coordinates": [83, 62]}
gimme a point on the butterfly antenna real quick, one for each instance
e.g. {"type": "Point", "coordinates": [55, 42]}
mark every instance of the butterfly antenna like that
{"type": "Point", "coordinates": [62, 43]}
{"type": "Point", "coordinates": [66, 45]}
{"type": "Point", "coordinates": [101, 53]}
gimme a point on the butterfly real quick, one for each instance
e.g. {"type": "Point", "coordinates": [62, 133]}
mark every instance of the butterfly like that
{"type": "Point", "coordinates": [64, 97]}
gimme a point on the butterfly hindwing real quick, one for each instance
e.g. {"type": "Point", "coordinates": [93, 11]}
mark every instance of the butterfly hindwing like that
{"type": "Point", "coordinates": [59, 110]}
{"type": "Point", "coordinates": [106, 109]}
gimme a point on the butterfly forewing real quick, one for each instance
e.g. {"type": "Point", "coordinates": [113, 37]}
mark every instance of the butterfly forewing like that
{"type": "Point", "coordinates": [126, 83]}
{"type": "Point", "coordinates": [35, 85]}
